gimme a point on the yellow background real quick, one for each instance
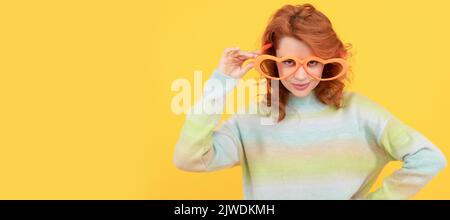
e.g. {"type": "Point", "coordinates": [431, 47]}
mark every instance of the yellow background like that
{"type": "Point", "coordinates": [85, 87]}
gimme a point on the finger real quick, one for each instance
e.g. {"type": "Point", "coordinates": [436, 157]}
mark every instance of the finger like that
{"type": "Point", "coordinates": [241, 58]}
{"type": "Point", "coordinates": [238, 59]}
{"type": "Point", "coordinates": [246, 54]}
{"type": "Point", "coordinates": [245, 57]}
{"type": "Point", "coordinates": [247, 67]}
{"type": "Point", "coordinates": [229, 50]}
{"type": "Point", "coordinates": [258, 52]}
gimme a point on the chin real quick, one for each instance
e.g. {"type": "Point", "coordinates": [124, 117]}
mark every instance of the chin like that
{"type": "Point", "coordinates": [300, 94]}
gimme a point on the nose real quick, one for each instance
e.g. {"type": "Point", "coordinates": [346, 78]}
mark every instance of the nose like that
{"type": "Point", "coordinates": [300, 74]}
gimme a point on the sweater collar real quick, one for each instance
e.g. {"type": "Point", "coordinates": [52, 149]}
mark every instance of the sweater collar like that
{"type": "Point", "coordinates": [309, 103]}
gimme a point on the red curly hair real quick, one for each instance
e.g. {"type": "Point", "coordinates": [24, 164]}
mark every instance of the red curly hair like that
{"type": "Point", "coordinates": [305, 23]}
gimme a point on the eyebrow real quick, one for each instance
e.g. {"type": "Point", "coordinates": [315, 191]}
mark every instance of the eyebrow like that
{"type": "Point", "coordinates": [292, 55]}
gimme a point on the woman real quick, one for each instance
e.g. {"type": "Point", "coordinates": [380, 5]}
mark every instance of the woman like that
{"type": "Point", "coordinates": [327, 143]}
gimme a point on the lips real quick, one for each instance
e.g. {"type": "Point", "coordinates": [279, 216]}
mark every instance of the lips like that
{"type": "Point", "coordinates": [300, 86]}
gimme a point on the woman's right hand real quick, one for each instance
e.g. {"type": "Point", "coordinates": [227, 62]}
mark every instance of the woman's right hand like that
{"type": "Point", "coordinates": [232, 59]}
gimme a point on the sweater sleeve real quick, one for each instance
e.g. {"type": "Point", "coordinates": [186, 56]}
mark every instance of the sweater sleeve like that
{"type": "Point", "coordinates": [422, 160]}
{"type": "Point", "coordinates": [204, 145]}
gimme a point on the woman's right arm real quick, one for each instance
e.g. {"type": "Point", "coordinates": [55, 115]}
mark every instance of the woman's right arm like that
{"type": "Point", "coordinates": [201, 147]}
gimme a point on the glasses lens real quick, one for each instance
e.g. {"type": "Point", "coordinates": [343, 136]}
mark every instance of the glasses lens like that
{"type": "Point", "coordinates": [269, 68]}
{"type": "Point", "coordinates": [331, 70]}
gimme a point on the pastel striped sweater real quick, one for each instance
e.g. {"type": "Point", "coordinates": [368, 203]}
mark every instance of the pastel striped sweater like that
{"type": "Point", "coordinates": [316, 152]}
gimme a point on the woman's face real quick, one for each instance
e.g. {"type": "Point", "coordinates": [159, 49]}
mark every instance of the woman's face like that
{"type": "Point", "coordinates": [299, 83]}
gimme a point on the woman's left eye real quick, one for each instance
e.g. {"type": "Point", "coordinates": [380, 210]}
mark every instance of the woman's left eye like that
{"type": "Point", "coordinates": [312, 63]}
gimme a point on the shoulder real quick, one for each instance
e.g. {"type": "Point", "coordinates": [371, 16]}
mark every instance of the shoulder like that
{"type": "Point", "coordinates": [365, 107]}
{"type": "Point", "coordinates": [362, 102]}
{"type": "Point", "coordinates": [372, 117]}
{"type": "Point", "coordinates": [352, 98]}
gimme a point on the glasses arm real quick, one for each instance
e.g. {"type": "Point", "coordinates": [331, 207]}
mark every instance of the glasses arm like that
{"type": "Point", "coordinates": [265, 47]}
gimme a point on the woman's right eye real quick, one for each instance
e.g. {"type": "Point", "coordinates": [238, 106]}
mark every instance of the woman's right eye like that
{"type": "Point", "coordinates": [289, 62]}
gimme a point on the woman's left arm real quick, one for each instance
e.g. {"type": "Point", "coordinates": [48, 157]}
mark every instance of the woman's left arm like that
{"type": "Point", "coordinates": [422, 160]}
